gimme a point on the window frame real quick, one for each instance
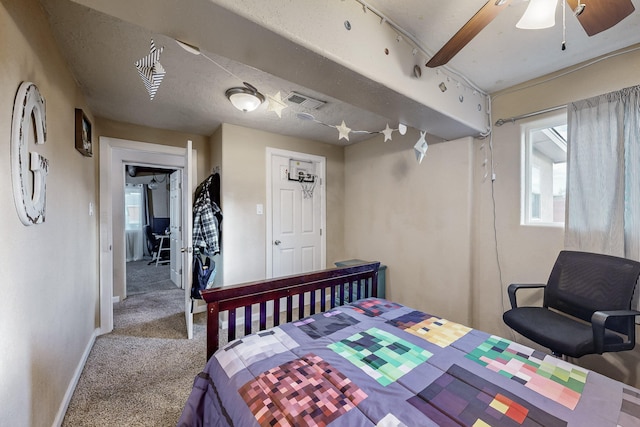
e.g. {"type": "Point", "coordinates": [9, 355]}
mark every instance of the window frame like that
{"type": "Point", "coordinates": [526, 130]}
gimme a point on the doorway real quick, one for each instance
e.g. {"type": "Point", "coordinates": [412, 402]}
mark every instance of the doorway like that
{"type": "Point", "coordinates": [114, 154]}
{"type": "Point", "coordinates": [150, 232]}
{"type": "Point", "coordinates": [296, 212]}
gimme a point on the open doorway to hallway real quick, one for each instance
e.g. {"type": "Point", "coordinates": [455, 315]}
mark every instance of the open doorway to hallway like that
{"type": "Point", "coordinates": [114, 154]}
{"type": "Point", "coordinates": [147, 221]}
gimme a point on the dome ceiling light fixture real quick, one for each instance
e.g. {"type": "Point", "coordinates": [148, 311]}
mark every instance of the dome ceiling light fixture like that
{"type": "Point", "coordinates": [153, 184]}
{"type": "Point", "coordinates": [245, 98]}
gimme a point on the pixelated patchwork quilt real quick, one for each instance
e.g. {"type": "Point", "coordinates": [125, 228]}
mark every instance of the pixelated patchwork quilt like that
{"type": "Point", "coordinates": [378, 363]}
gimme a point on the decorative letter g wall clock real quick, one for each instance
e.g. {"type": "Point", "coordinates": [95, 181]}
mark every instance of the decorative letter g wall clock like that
{"type": "Point", "coordinates": [28, 189]}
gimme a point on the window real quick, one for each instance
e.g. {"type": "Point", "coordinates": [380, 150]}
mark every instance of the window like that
{"type": "Point", "coordinates": [133, 207]}
{"type": "Point", "coordinates": [544, 171]}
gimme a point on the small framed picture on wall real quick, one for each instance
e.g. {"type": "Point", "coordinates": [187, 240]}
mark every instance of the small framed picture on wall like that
{"type": "Point", "coordinates": [84, 143]}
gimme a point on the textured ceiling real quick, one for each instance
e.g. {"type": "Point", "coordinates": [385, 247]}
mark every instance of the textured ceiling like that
{"type": "Point", "coordinates": [102, 49]}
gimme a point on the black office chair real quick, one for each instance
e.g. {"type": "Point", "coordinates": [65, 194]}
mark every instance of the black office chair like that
{"type": "Point", "coordinates": [586, 307]}
{"type": "Point", "coordinates": [153, 244]}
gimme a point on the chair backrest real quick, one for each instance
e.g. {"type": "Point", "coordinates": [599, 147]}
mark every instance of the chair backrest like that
{"type": "Point", "coordinates": [152, 241]}
{"type": "Point", "coordinates": [582, 283]}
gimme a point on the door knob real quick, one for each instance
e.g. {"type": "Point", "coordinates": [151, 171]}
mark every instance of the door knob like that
{"type": "Point", "coordinates": [277, 242]}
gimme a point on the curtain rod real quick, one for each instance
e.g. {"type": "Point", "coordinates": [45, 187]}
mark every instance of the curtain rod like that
{"type": "Point", "coordinates": [500, 122]}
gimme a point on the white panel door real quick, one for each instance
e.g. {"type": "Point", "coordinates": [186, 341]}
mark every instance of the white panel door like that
{"type": "Point", "coordinates": [187, 229]}
{"type": "Point", "coordinates": [175, 226]}
{"type": "Point", "coordinates": [297, 243]}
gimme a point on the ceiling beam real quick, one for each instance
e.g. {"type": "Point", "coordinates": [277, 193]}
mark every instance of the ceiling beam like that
{"type": "Point", "coordinates": [308, 42]}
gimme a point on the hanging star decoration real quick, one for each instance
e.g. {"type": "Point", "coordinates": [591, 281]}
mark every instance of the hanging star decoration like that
{"type": "Point", "coordinates": [276, 104]}
{"type": "Point", "coordinates": [150, 70]}
{"type": "Point", "coordinates": [421, 147]}
{"type": "Point", "coordinates": [343, 131]}
{"type": "Point", "coordinates": [387, 133]}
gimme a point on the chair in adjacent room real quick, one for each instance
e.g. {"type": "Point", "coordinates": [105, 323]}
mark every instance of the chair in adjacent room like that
{"type": "Point", "coordinates": [153, 244]}
{"type": "Point", "coordinates": [586, 306]}
{"type": "Point", "coordinates": [157, 252]}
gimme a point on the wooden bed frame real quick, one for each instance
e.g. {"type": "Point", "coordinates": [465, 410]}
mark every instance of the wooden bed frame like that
{"type": "Point", "coordinates": [335, 286]}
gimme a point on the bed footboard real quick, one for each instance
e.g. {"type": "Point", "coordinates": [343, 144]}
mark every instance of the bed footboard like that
{"type": "Point", "coordinates": [316, 292]}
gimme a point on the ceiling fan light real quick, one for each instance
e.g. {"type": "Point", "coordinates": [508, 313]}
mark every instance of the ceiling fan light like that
{"type": "Point", "coordinates": [539, 14]}
{"type": "Point", "coordinates": [245, 98]}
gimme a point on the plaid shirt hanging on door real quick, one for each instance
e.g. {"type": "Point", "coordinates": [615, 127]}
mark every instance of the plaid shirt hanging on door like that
{"type": "Point", "coordinates": [205, 219]}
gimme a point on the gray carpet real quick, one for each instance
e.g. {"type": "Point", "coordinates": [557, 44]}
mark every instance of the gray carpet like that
{"type": "Point", "coordinates": [142, 277]}
{"type": "Point", "coordinates": [141, 373]}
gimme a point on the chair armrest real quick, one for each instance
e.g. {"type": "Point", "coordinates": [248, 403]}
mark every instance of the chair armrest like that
{"type": "Point", "coordinates": [599, 320]}
{"type": "Point", "coordinates": [515, 286]}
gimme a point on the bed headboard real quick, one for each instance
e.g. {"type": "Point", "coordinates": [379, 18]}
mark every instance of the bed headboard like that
{"type": "Point", "coordinates": [314, 290]}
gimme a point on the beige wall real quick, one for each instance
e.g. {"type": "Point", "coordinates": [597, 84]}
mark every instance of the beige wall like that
{"type": "Point", "coordinates": [415, 219]}
{"type": "Point", "coordinates": [215, 148]}
{"type": "Point", "coordinates": [243, 178]}
{"type": "Point", "coordinates": [48, 272]}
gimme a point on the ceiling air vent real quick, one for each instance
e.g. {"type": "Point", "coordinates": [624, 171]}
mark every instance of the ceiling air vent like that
{"type": "Point", "coordinates": [305, 101]}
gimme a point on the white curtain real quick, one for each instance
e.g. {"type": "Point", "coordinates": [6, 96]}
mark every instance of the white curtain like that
{"type": "Point", "coordinates": [134, 215]}
{"type": "Point", "coordinates": [603, 174]}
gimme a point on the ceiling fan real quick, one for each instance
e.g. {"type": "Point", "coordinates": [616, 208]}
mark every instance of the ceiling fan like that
{"type": "Point", "coordinates": [595, 16]}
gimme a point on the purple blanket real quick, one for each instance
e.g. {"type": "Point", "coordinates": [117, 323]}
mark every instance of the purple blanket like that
{"type": "Point", "coordinates": [378, 363]}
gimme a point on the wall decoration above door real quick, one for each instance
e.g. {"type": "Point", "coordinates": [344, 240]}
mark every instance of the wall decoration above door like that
{"type": "Point", "coordinates": [29, 124]}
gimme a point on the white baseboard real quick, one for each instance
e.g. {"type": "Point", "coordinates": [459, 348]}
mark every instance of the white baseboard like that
{"type": "Point", "coordinates": [115, 299]}
{"type": "Point", "coordinates": [74, 381]}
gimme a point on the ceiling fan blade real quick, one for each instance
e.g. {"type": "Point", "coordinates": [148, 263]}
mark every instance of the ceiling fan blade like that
{"type": "Point", "coordinates": [600, 15]}
{"type": "Point", "coordinates": [481, 19]}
